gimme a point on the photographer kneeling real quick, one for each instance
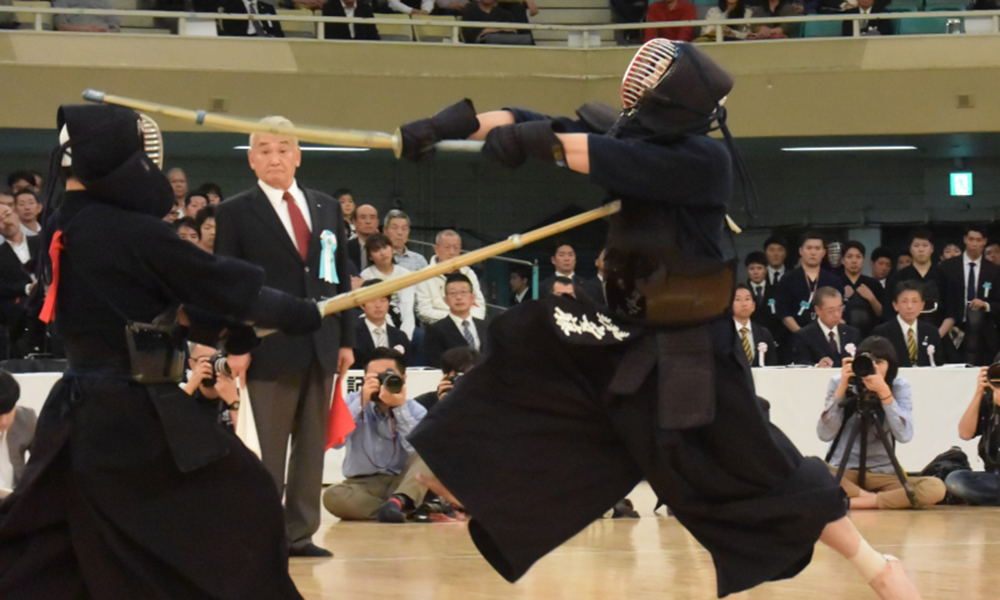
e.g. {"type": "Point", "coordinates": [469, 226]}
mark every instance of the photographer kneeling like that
{"type": "Point", "coordinates": [381, 466]}
{"type": "Point", "coordinates": [882, 488]}
{"type": "Point", "coordinates": [981, 418]}
{"type": "Point", "coordinates": [211, 384]}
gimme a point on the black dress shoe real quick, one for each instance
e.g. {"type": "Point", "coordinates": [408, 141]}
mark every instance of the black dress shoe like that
{"type": "Point", "coordinates": [310, 550]}
{"type": "Point", "coordinates": [624, 510]}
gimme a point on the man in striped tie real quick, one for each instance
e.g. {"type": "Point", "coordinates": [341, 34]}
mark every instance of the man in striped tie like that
{"type": "Point", "coordinates": [750, 335]}
{"type": "Point", "coordinates": [916, 341]}
{"type": "Point", "coordinates": [459, 328]}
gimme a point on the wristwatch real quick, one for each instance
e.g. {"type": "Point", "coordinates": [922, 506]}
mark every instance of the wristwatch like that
{"type": "Point", "coordinates": [234, 406]}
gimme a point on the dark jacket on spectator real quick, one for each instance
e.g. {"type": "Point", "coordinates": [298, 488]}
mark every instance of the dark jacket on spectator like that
{"type": "Point", "coordinates": [341, 31]}
{"type": "Point", "coordinates": [444, 335]}
{"type": "Point", "coordinates": [793, 290]}
{"type": "Point", "coordinates": [239, 28]}
{"type": "Point", "coordinates": [760, 334]}
{"type": "Point", "coordinates": [883, 26]}
{"type": "Point", "coordinates": [980, 344]}
{"type": "Point", "coordinates": [364, 345]}
{"type": "Point", "coordinates": [927, 335]}
{"type": "Point", "coordinates": [14, 276]}
{"type": "Point", "coordinates": [765, 313]}
{"type": "Point", "coordinates": [473, 12]}
{"type": "Point", "coordinates": [809, 345]}
{"type": "Point", "coordinates": [858, 312]}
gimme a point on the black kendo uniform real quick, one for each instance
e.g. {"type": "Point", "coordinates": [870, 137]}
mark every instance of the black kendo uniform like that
{"type": "Point", "coordinates": [572, 408]}
{"type": "Point", "coordinates": [133, 491]}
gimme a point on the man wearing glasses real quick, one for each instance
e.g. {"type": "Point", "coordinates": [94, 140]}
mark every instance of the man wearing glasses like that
{"type": "Point", "coordinates": [459, 328]}
{"type": "Point", "coordinates": [823, 342]}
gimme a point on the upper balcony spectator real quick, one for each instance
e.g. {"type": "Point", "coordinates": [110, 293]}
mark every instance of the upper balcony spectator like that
{"type": "Point", "coordinates": [252, 28]}
{"type": "Point", "coordinates": [487, 11]}
{"type": "Point", "coordinates": [670, 10]}
{"type": "Point", "coordinates": [94, 23]}
{"type": "Point", "coordinates": [349, 31]}
{"type": "Point", "coordinates": [776, 31]}
{"type": "Point", "coordinates": [415, 8]}
{"type": "Point", "coordinates": [728, 9]}
{"type": "Point", "coordinates": [873, 27]}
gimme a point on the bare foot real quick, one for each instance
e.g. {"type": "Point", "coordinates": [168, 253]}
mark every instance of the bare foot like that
{"type": "Point", "coordinates": [893, 583]}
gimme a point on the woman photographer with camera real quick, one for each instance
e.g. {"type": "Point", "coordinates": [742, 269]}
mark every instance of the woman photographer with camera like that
{"type": "Point", "coordinates": [981, 418]}
{"type": "Point", "coordinates": [872, 377]}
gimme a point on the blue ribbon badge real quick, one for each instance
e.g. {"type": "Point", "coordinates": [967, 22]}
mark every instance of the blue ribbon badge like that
{"type": "Point", "coordinates": [804, 306]}
{"type": "Point", "coordinates": [327, 267]}
{"type": "Point", "coordinates": [770, 304]}
{"type": "Point", "coordinates": [986, 289]}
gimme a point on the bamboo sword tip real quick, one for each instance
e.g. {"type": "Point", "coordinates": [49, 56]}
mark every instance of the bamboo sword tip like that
{"type": "Point", "coordinates": [93, 95]}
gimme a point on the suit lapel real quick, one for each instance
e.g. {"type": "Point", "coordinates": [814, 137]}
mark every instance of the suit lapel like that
{"type": "Point", "coordinates": [261, 206]}
{"type": "Point", "coordinates": [317, 215]}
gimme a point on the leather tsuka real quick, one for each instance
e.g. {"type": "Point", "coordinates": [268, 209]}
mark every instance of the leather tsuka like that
{"type": "Point", "coordinates": [456, 122]}
{"type": "Point", "coordinates": [274, 309]}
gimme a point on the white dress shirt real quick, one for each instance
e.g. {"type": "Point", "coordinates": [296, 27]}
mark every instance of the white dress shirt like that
{"type": "Point", "coordinates": [739, 334]}
{"type": "Point", "coordinates": [826, 334]}
{"type": "Point", "coordinates": [398, 6]}
{"type": "Point", "coordinates": [6, 467]}
{"type": "Point", "coordinates": [375, 336]}
{"type": "Point", "coordinates": [349, 13]}
{"type": "Point", "coordinates": [404, 300]}
{"type": "Point", "coordinates": [21, 250]}
{"type": "Point", "coordinates": [757, 289]}
{"type": "Point", "coordinates": [520, 296]}
{"type": "Point", "coordinates": [276, 197]}
{"type": "Point", "coordinates": [771, 271]}
{"type": "Point", "coordinates": [472, 327]}
{"type": "Point", "coordinates": [906, 328]}
{"type": "Point", "coordinates": [979, 269]}
{"type": "Point", "coordinates": [29, 232]}
{"type": "Point", "coordinates": [431, 306]}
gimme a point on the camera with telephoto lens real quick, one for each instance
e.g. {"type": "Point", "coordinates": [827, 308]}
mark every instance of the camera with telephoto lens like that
{"type": "Point", "coordinates": [863, 365]}
{"type": "Point", "coordinates": [392, 381]}
{"type": "Point", "coordinates": [993, 374]}
{"type": "Point", "coordinates": [219, 365]}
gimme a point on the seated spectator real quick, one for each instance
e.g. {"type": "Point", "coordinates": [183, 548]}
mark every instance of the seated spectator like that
{"type": "Point", "coordinates": [28, 208]}
{"type": "Point", "coordinates": [431, 305]}
{"type": "Point", "coordinates": [381, 466]}
{"type": "Point", "coordinates": [215, 391]}
{"type": "Point", "coordinates": [365, 224]}
{"type": "Point", "coordinates": [213, 192]}
{"type": "Point", "coordinates": [205, 220]}
{"type": "Point", "coordinates": [872, 27]}
{"type": "Point", "coordinates": [775, 31]}
{"type": "Point", "coordinates": [23, 180]}
{"type": "Point", "coordinates": [982, 419]}
{"type": "Point", "coordinates": [949, 251]}
{"type": "Point", "coordinates": [17, 267]}
{"type": "Point", "coordinates": [459, 328]}
{"type": "Point", "coordinates": [401, 310]}
{"type": "Point", "coordinates": [727, 9]}
{"type": "Point", "coordinates": [750, 335]}
{"type": "Point", "coordinates": [397, 228]}
{"type": "Point", "coordinates": [17, 430]}
{"type": "Point", "coordinates": [564, 261]}
{"type": "Point", "coordinates": [992, 253]}
{"type": "Point", "coordinates": [903, 260]}
{"type": "Point", "coordinates": [670, 10]}
{"type": "Point", "coordinates": [194, 202]}
{"type": "Point", "coordinates": [349, 31]}
{"type": "Point", "coordinates": [178, 183]}
{"type": "Point", "coordinates": [7, 198]}
{"type": "Point", "coordinates": [882, 488]}
{"type": "Point", "coordinates": [521, 9]}
{"type": "Point", "coordinates": [864, 295]}
{"type": "Point", "coordinates": [910, 336]}
{"type": "Point", "coordinates": [485, 11]}
{"type": "Point", "coordinates": [520, 288]}
{"type": "Point", "coordinates": [454, 363]}
{"type": "Point", "coordinates": [253, 28]}
{"type": "Point", "coordinates": [77, 22]}
{"type": "Point", "coordinates": [187, 229]}
{"type": "Point", "coordinates": [377, 332]}
{"type": "Point", "coordinates": [823, 342]}
{"type": "Point", "coordinates": [765, 312]}
{"type": "Point", "coordinates": [347, 208]}
{"type": "Point", "coordinates": [415, 8]}
{"type": "Point", "coordinates": [8, 20]}
{"type": "Point", "coordinates": [882, 265]}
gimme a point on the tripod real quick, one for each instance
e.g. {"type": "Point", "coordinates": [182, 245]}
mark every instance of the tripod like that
{"type": "Point", "coordinates": [866, 417]}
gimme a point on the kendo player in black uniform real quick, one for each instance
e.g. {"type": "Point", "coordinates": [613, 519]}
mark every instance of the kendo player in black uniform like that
{"type": "Point", "coordinates": [133, 492]}
{"type": "Point", "coordinates": [572, 407]}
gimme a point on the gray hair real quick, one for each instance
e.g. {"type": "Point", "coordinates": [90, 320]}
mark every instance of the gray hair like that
{"type": "Point", "coordinates": [279, 123]}
{"type": "Point", "coordinates": [395, 214]}
{"type": "Point", "coordinates": [825, 292]}
{"type": "Point", "coordinates": [446, 233]}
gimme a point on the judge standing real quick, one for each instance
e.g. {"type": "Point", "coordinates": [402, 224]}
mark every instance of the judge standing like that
{"type": "Point", "coordinates": [284, 228]}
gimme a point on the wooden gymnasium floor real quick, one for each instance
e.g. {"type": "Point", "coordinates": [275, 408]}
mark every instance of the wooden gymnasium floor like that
{"type": "Point", "coordinates": [951, 552]}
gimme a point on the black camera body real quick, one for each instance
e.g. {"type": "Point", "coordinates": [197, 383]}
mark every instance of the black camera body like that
{"type": "Point", "coordinates": [219, 365]}
{"type": "Point", "coordinates": [392, 381]}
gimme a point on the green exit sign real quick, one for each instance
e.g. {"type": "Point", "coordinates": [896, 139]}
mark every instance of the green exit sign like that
{"type": "Point", "coordinates": [961, 184]}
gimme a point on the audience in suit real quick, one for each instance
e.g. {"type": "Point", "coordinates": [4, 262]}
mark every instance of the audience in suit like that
{"type": "Point", "coordinates": [750, 335]}
{"type": "Point", "coordinates": [564, 260]}
{"type": "Point", "coordinates": [823, 343]}
{"type": "Point", "coordinates": [520, 284]}
{"type": "Point", "coordinates": [17, 263]}
{"type": "Point", "coordinates": [365, 224]}
{"type": "Point", "coordinates": [911, 337]}
{"type": "Point", "coordinates": [252, 28]}
{"type": "Point", "coordinates": [776, 251]}
{"type": "Point", "coordinates": [383, 266]}
{"type": "Point", "coordinates": [864, 296]}
{"type": "Point", "coordinates": [971, 298]}
{"type": "Point", "coordinates": [868, 27]}
{"type": "Point", "coordinates": [349, 31]}
{"type": "Point", "coordinates": [881, 266]}
{"type": "Point", "coordinates": [431, 305]}
{"type": "Point", "coordinates": [374, 331]}
{"type": "Point", "coordinates": [594, 288]}
{"type": "Point", "coordinates": [459, 328]}
{"type": "Point", "coordinates": [765, 311]}
{"type": "Point", "coordinates": [929, 275]}
{"type": "Point", "coordinates": [796, 290]}
{"type": "Point", "coordinates": [17, 430]}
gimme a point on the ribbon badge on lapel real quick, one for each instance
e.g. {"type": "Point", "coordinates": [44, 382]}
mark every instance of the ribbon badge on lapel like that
{"type": "Point", "coordinates": [986, 289]}
{"type": "Point", "coordinates": [327, 267]}
{"type": "Point", "coordinates": [770, 304]}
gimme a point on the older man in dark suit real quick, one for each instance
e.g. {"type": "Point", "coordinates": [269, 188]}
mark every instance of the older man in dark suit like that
{"type": "Point", "coordinates": [252, 28]}
{"type": "Point", "coordinates": [823, 343]}
{"type": "Point", "coordinates": [374, 331]}
{"type": "Point", "coordinates": [297, 236]}
{"type": "Point", "coordinates": [911, 336]}
{"type": "Point", "coordinates": [459, 328]}
{"type": "Point", "coordinates": [17, 429]}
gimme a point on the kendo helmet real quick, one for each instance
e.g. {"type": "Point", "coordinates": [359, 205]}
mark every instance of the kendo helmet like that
{"type": "Point", "coordinates": [116, 154]}
{"type": "Point", "coordinates": [671, 88]}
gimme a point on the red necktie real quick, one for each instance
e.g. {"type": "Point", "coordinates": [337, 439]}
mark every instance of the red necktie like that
{"type": "Point", "coordinates": [299, 226]}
